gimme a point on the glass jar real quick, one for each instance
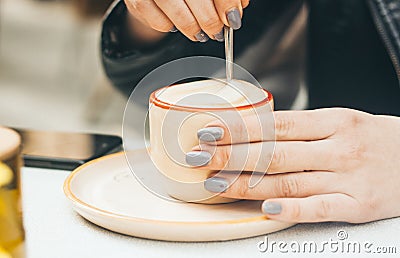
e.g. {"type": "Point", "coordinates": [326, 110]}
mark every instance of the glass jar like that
{"type": "Point", "coordinates": [12, 235]}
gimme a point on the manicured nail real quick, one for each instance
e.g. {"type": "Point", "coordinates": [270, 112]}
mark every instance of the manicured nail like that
{"type": "Point", "coordinates": [272, 208]}
{"type": "Point", "coordinates": [234, 20]}
{"type": "Point", "coordinates": [219, 36]}
{"type": "Point", "coordinates": [174, 29]}
{"type": "Point", "coordinates": [198, 158]}
{"type": "Point", "coordinates": [210, 134]}
{"type": "Point", "coordinates": [202, 37]}
{"type": "Point", "coordinates": [216, 185]}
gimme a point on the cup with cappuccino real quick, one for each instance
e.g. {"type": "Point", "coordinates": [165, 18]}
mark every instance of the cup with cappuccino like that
{"type": "Point", "coordinates": [178, 112]}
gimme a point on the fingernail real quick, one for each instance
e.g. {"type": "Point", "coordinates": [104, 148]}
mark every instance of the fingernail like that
{"type": "Point", "coordinates": [272, 208]}
{"type": "Point", "coordinates": [201, 36]}
{"type": "Point", "coordinates": [210, 134]}
{"type": "Point", "coordinates": [219, 36]}
{"type": "Point", "coordinates": [198, 158]}
{"type": "Point", "coordinates": [216, 185]}
{"type": "Point", "coordinates": [174, 29]}
{"type": "Point", "coordinates": [234, 20]}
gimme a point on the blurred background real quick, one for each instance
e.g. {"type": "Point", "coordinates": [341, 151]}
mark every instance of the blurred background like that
{"type": "Point", "coordinates": [51, 76]}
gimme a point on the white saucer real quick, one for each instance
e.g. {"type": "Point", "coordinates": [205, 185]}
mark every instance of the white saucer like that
{"type": "Point", "coordinates": [105, 192]}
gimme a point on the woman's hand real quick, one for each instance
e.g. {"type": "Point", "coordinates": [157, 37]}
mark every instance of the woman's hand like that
{"type": "Point", "coordinates": [197, 20]}
{"type": "Point", "coordinates": [327, 165]}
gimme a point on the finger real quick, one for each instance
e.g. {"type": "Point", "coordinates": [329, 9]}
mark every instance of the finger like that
{"type": "Point", "coordinates": [207, 17]}
{"type": "Point", "coordinates": [230, 12]}
{"type": "Point", "coordinates": [317, 208]}
{"type": "Point", "coordinates": [265, 157]}
{"type": "Point", "coordinates": [245, 3]}
{"type": "Point", "coordinates": [181, 16]}
{"type": "Point", "coordinates": [305, 125]}
{"type": "Point", "coordinates": [280, 125]}
{"type": "Point", "coordinates": [149, 13]}
{"type": "Point", "coordinates": [255, 127]}
{"type": "Point", "coordinates": [300, 184]}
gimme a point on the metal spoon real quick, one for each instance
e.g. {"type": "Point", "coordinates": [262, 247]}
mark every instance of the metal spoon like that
{"type": "Point", "coordinates": [228, 34]}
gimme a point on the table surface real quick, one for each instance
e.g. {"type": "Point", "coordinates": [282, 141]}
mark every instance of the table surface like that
{"type": "Point", "coordinates": [54, 229]}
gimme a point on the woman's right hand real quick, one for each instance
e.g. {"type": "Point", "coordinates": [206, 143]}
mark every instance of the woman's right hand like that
{"type": "Point", "coordinates": [198, 20]}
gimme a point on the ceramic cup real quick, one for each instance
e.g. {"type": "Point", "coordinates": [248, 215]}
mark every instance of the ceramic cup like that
{"type": "Point", "coordinates": [177, 112]}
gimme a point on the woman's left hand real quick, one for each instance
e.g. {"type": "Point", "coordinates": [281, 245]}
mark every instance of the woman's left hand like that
{"type": "Point", "coordinates": [330, 164]}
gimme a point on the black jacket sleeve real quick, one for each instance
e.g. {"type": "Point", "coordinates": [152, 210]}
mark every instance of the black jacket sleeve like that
{"type": "Point", "coordinates": [126, 64]}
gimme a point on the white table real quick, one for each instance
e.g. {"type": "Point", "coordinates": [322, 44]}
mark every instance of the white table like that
{"type": "Point", "coordinates": [54, 230]}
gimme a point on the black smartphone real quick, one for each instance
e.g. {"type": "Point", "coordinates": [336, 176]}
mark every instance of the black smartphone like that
{"type": "Point", "coordinates": [66, 151]}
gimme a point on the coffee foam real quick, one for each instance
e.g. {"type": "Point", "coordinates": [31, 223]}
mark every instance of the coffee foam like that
{"type": "Point", "coordinates": [212, 93]}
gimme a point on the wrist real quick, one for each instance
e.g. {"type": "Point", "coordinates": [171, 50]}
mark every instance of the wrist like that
{"type": "Point", "coordinates": [122, 37]}
{"type": "Point", "coordinates": [142, 33]}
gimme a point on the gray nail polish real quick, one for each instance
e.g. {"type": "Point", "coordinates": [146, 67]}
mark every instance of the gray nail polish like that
{"type": "Point", "coordinates": [174, 29]}
{"type": "Point", "coordinates": [202, 37]}
{"type": "Point", "coordinates": [210, 134]}
{"type": "Point", "coordinates": [272, 208]}
{"type": "Point", "coordinates": [219, 36]}
{"type": "Point", "coordinates": [216, 185]}
{"type": "Point", "coordinates": [234, 20]}
{"type": "Point", "coordinates": [198, 158]}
